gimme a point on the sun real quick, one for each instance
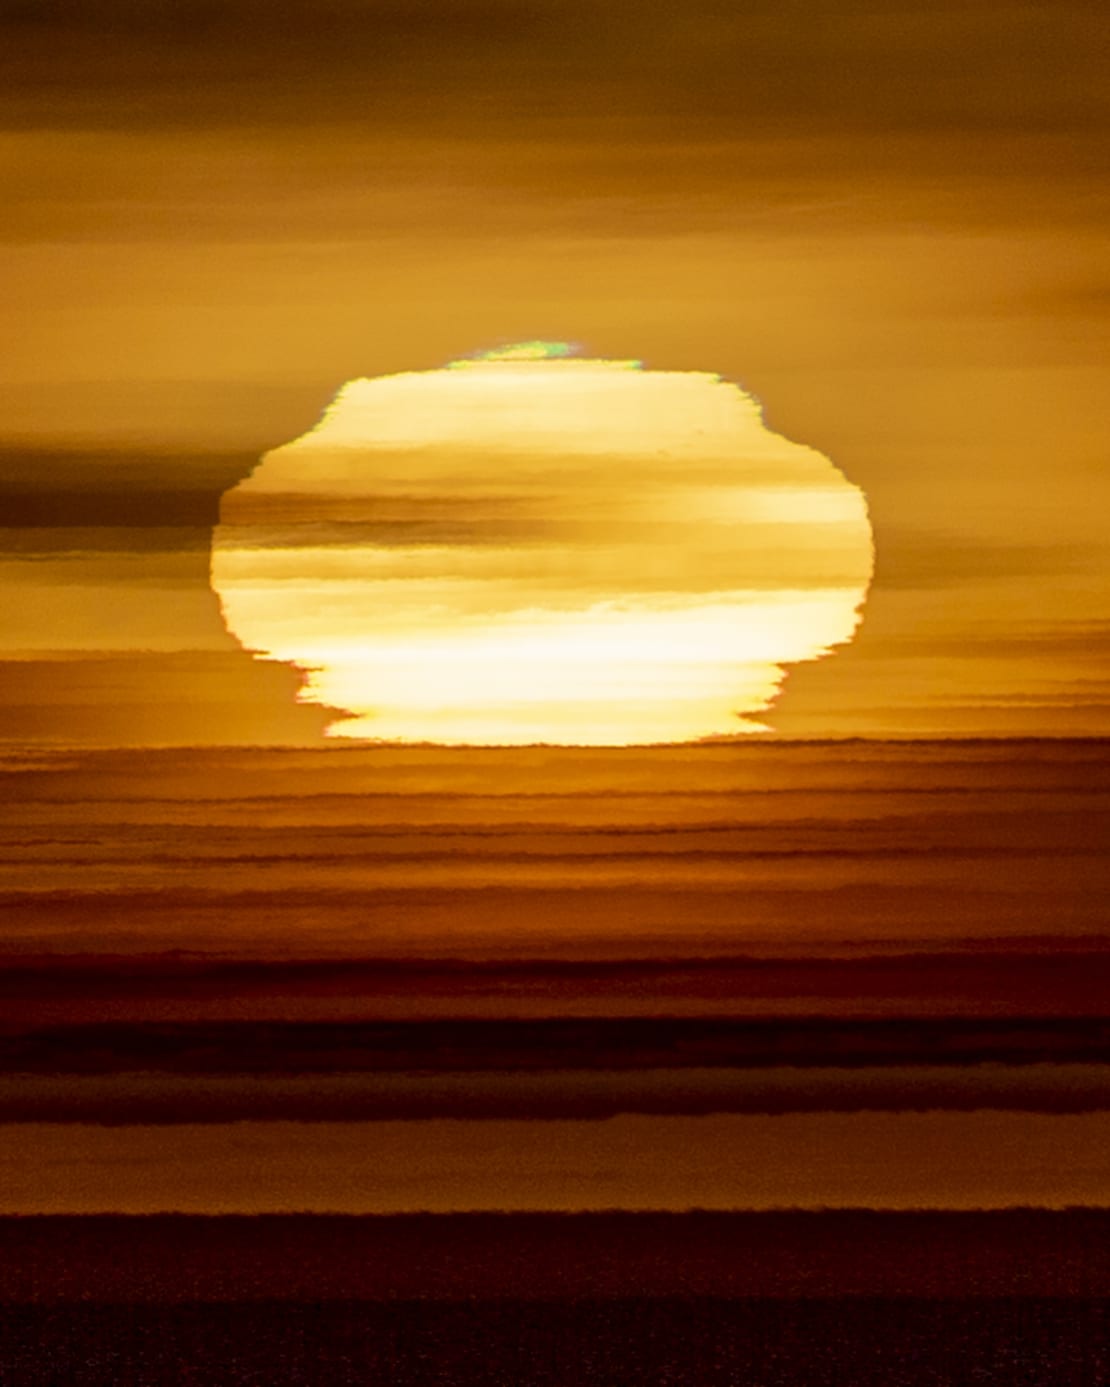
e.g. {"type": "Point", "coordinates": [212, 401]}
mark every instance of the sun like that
{"type": "Point", "coordinates": [527, 546]}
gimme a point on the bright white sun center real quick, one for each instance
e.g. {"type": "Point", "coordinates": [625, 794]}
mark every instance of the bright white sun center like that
{"type": "Point", "coordinates": [529, 547]}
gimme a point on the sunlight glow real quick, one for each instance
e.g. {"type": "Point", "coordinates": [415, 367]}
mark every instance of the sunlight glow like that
{"type": "Point", "coordinates": [528, 547]}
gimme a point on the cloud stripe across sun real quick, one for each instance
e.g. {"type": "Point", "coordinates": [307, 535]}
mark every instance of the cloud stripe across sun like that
{"type": "Point", "coordinates": [528, 546]}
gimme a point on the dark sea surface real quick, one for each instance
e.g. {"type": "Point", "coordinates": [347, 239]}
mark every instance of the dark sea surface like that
{"type": "Point", "coordinates": [835, 1342]}
{"type": "Point", "coordinates": [854, 1298]}
{"type": "Point", "coordinates": [169, 1259]}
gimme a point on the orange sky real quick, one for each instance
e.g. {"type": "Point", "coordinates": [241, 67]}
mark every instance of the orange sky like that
{"type": "Point", "coordinates": [887, 224]}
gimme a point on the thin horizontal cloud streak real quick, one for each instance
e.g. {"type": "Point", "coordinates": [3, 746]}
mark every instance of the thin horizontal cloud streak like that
{"type": "Point", "coordinates": [125, 1098]}
{"type": "Point", "coordinates": [926, 560]}
{"type": "Point", "coordinates": [1051, 980]}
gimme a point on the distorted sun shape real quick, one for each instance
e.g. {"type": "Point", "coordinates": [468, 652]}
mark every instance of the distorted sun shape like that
{"type": "Point", "coordinates": [531, 547]}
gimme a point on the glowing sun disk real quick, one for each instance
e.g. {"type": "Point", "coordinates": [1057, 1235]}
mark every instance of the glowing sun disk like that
{"type": "Point", "coordinates": [526, 547]}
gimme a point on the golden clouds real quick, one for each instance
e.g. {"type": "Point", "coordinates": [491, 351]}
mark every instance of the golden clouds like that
{"type": "Point", "coordinates": [528, 547]}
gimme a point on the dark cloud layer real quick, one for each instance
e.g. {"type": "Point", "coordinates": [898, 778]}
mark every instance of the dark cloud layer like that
{"type": "Point", "coordinates": [594, 1093]}
{"type": "Point", "coordinates": [709, 68]}
{"type": "Point", "coordinates": [989, 979]}
{"type": "Point", "coordinates": [90, 488]}
{"type": "Point", "coordinates": [554, 1044]}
